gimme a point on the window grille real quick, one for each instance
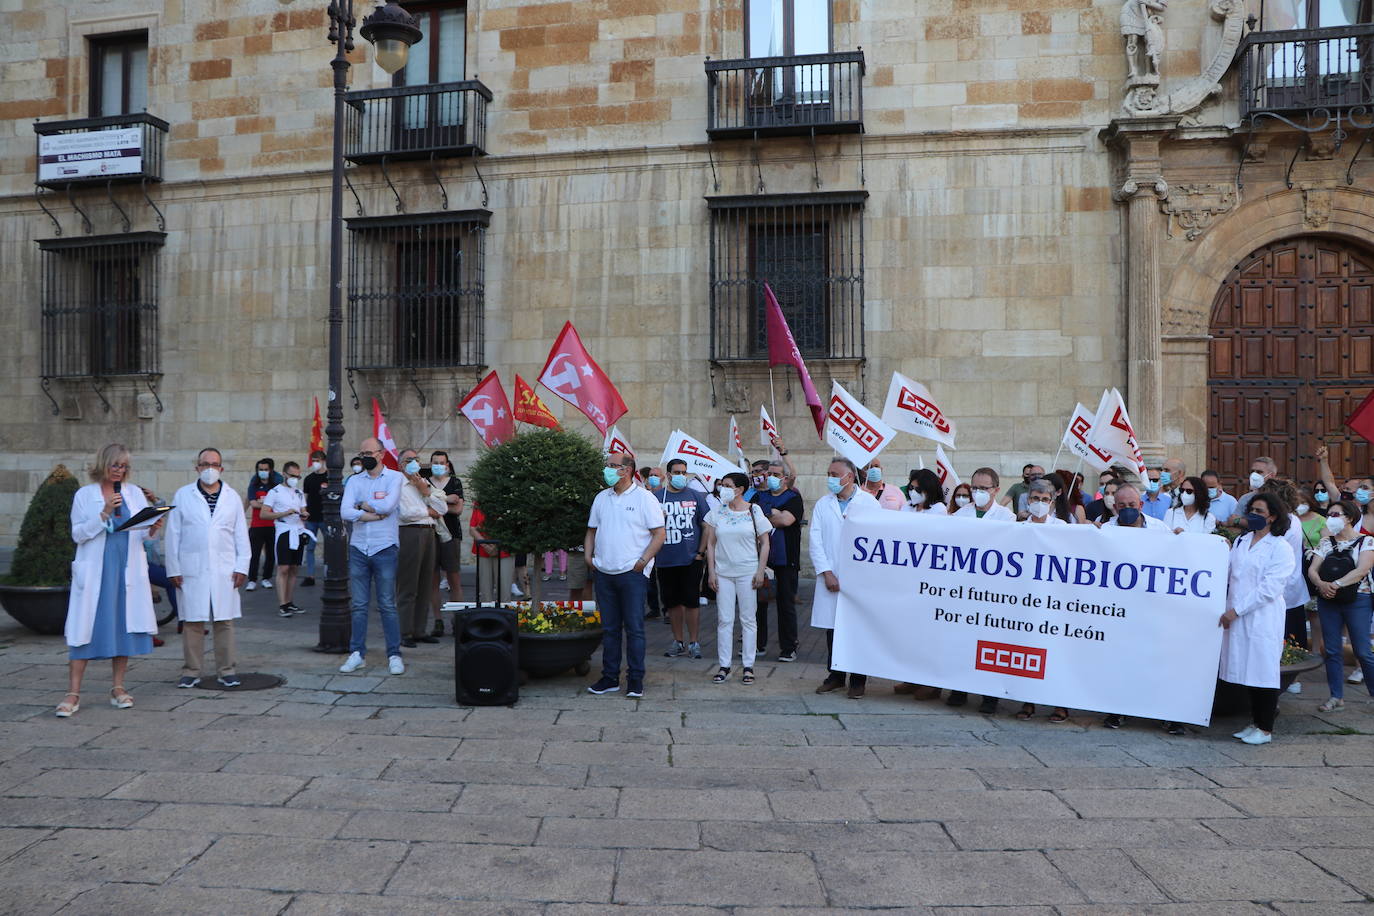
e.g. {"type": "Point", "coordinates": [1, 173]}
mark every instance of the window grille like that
{"type": "Point", "coordinates": [415, 290]}
{"type": "Point", "coordinates": [810, 249]}
{"type": "Point", "coordinates": [100, 305]}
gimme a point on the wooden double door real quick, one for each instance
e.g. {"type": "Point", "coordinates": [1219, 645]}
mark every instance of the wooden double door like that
{"type": "Point", "coordinates": [1292, 354]}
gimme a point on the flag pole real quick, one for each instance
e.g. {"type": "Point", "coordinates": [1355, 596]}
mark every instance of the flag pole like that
{"type": "Point", "coordinates": [771, 395]}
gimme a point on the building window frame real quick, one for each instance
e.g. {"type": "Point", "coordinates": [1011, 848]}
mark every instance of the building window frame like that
{"type": "Point", "coordinates": [122, 43]}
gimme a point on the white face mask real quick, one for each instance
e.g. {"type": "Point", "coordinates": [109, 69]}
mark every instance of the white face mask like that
{"type": "Point", "coordinates": [961, 501]}
{"type": "Point", "coordinates": [1256, 480]}
{"type": "Point", "coordinates": [1301, 509]}
{"type": "Point", "coordinates": [1039, 510]}
{"type": "Point", "coordinates": [917, 498]}
{"type": "Point", "coordinates": [357, 468]}
{"type": "Point", "coordinates": [293, 482]}
{"type": "Point", "coordinates": [727, 495]}
{"type": "Point", "coordinates": [1109, 500]}
{"type": "Point", "coordinates": [209, 476]}
{"type": "Point", "coordinates": [1335, 524]}
{"type": "Point", "coordinates": [316, 467]}
{"type": "Point", "coordinates": [981, 498]}
{"type": "Point", "coordinates": [1187, 499]}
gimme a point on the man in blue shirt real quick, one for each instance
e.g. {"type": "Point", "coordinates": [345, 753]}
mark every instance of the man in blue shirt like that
{"type": "Point", "coordinates": [1155, 501]}
{"type": "Point", "coordinates": [678, 565]}
{"type": "Point", "coordinates": [370, 502]}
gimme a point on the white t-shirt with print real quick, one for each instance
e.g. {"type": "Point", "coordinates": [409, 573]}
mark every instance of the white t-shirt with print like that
{"type": "Point", "coordinates": [1365, 545]}
{"type": "Point", "coordinates": [737, 550]}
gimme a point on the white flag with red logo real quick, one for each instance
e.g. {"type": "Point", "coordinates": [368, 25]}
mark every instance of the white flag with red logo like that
{"type": "Point", "coordinates": [767, 431]}
{"type": "Point", "coordinates": [736, 444]}
{"type": "Point", "coordinates": [911, 409]}
{"type": "Point", "coordinates": [488, 409]}
{"type": "Point", "coordinates": [1112, 432]}
{"type": "Point", "coordinates": [945, 471]}
{"type": "Point", "coordinates": [572, 374]}
{"type": "Point", "coordinates": [852, 429]}
{"type": "Point", "coordinates": [701, 458]}
{"type": "Point", "coordinates": [382, 433]}
{"type": "Point", "coordinates": [1077, 436]}
{"type": "Point", "coordinates": [616, 442]}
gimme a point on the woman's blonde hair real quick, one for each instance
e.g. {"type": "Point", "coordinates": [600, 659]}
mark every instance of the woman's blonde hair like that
{"type": "Point", "coordinates": [106, 457]}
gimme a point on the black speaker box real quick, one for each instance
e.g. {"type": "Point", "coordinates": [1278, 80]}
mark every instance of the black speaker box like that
{"type": "Point", "coordinates": [486, 668]}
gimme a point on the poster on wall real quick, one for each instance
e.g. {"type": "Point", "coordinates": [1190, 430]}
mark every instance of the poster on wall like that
{"type": "Point", "coordinates": [90, 154]}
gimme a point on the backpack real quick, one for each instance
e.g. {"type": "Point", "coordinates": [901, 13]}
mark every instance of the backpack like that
{"type": "Point", "coordinates": [1340, 562]}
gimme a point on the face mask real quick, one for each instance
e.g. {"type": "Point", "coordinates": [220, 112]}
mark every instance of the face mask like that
{"type": "Point", "coordinates": [981, 498]}
{"type": "Point", "coordinates": [1335, 524]}
{"type": "Point", "coordinates": [1301, 509]}
{"type": "Point", "coordinates": [369, 463]}
{"type": "Point", "coordinates": [774, 483]}
{"type": "Point", "coordinates": [1153, 485]}
{"type": "Point", "coordinates": [1212, 492]}
{"type": "Point", "coordinates": [875, 475]}
{"type": "Point", "coordinates": [679, 481]}
{"type": "Point", "coordinates": [961, 501]}
{"type": "Point", "coordinates": [412, 466]}
{"type": "Point", "coordinates": [1165, 478]}
{"type": "Point", "coordinates": [727, 495]}
{"type": "Point", "coordinates": [316, 467]}
{"type": "Point", "coordinates": [1362, 495]}
{"type": "Point", "coordinates": [1321, 496]}
{"type": "Point", "coordinates": [1128, 517]}
{"type": "Point", "coordinates": [1109, 501]}
{"type": "Point", "coordinates": [611, 476]}
{"type": "Point", "coordinates": [1187, 499]}
{"type": "Point", "coordinates": [833, 484]}
{"type": "Point", "coordinates": [209, 476]}
{"type": "Point", "coordinates": [757, 481]}
{"type": "Point", "coordinates": [1346, 494]}
{"type": "Point", "coordinates": [917, 498]}
{"type": "Point", "coordinates": [438, 470]}
{"type": "Point", "coordinates": [1038, 510]}
{"type": "Point", "coordinates": [1254, 521]}
{"type": "Point", "coordinates": [653, 482]}
{"type": "Point", "coordinates": [262, 475]}
{"type": "Point", "coordinates": [293, 482]}
{"type": "Point", "coordinates": [1256, 480]}
{"type": "Point", "coordinates": [357, 469]}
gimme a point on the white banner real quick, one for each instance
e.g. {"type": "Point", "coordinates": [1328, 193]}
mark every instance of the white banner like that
{"type": "Point", "coordinates": [910, 409]}
{"type": "Point", "coordinates": [1114, 620]}
{"type": "Point", "coordinates": [1077, 436]}
{"type": "Point", "coordinates": [945, 471]}
{"type": "Point", "coordinates": [1112, 432]}
{"type": "Point", "coordinates": [90, 154]}
{"type": "Point", "coordinates": [700, 458]}
{"type": "Point", "coordinates": [852, 429]}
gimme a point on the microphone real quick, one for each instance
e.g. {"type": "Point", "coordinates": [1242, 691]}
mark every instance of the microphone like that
{"type": "Point", "coordinates": [116, 486]}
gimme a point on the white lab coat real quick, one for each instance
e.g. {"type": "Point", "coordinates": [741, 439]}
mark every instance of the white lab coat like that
{"type": "Point", "coordinates": [826, 520]}
{"type": "Point", "coordinates": [88, 530]}
{"type": "Point", "coordinates": [1295, 592]}
{"type": "Point", "coordinates": [1251, 646]}
{"type": "Point", "coordinates": [206, 551]}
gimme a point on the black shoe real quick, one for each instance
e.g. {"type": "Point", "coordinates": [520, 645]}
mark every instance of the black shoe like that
{"type": "Point", "coordinates": [284, 611]}
{"type": "Point", "coordinates": [1111, 722]}
{"type": "Point", "coordinates": [635, 689]}
{"type": "Point", "coordinates": [408, 643]}
{"type": "Point", "coordinates": [428, 639]}
{"type": "Point", "coordinates": [438, 629]}
{"type": "Point", "coordinates": [188, 681]}
{"type": "Point", "coordinates": [307, 581]}
{"type": "Point", "coordinates": [956, 698]}
{"type": "Point", "coordinates": [988, 706]}
{"type": "Point", "coordinates": [651, 615]}
{"type": "Point", "coordinates": [605, 685]}
{"type": "Point", "coordinates": [1175, 728]}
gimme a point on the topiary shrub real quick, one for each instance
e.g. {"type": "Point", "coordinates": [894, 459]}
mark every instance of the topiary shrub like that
{"type": "Point", "coordinates": [45, 551]}
{"type": "Point", "coordinates": [536, 489]}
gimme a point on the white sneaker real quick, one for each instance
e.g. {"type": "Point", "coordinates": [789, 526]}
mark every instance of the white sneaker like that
{"type": "Point", "coordinates": [355, 661]}
{"type": "Point", "coordinates": [1258, 737]}
{"type": "Point", "coordinates": [397, 666]}
{"type": "Point", "coordinates": [1295, 687]}
{"type": "Point", "coordinates": [1356, 676]}
{"type": "Point", "coordinates": [250, 586]}
{"type": "Point", "coordinates": [515, 591]}
{"type": "Point", "coordinates": [266, 583]}
{"type": "Point", "coordinates": [1245, 732]}
{"type": "Point", "coordinates": [443, 585]}
{"type": "Point", "coordinates": [702, 602]}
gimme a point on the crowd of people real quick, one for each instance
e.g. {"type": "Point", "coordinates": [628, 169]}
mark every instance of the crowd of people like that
{"type": "Point", "coordinates": [1300, 570]}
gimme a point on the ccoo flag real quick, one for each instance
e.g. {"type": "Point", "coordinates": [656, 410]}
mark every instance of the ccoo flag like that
{"type": "Point", "coordinates": [488, 409]}
{"type": "Point", "coordinates": [911, 409]}
{"type": "Point", "coordinates": [700, 458]}
{"type": "Point", "coordinates": [852, 429]}
{"type": "Point", "coordinates": [945, 471]}
{"type": "Point", "coordinates": [616, 442]}
{"type": "Point", "coordinates": [767, 431]}
{"type": "Point", "coordinates": [572, 374]}
{"type": "Point", "coordinates": [736, 446]}
{"type": "Point", "coordinates": [1077, 436]}
{"type": "Point", "coordinates": [1112, 432]}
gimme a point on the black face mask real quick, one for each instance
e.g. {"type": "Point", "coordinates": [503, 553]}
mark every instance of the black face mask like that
{"type": "Point", "coordinates": [369, 462]}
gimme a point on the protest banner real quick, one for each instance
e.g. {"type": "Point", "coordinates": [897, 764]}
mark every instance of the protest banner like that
{"type": "Point", "coordinates": [1116, 620]}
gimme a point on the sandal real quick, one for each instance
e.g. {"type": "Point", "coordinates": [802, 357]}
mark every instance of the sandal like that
{"type": "Point", "coordinates": [748, 676]}
{"type": "Point", "coordinates": [120, 698]}
{"type": "Point", "coordinates": [1331, 705]}
{"type": "Point", "coordinates": [1060, 714]}
{"type": "Point", "coordinates": [66, 710]}
{"type": "Point", "coordinates": [1027, 710]}
{"type": "Point", "coordinates": [721, 676]}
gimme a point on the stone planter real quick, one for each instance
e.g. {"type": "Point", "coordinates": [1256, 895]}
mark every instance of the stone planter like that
{"type": "Point", "coordinates": [1234, 700]}
{"type": "Point", "coordinates": [549, 654]}
{"type": "Point", "coordinates": [41, 608]}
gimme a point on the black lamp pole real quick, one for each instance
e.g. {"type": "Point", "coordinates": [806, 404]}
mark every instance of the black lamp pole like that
{"type": "Point", "coordinates": [393, 31]}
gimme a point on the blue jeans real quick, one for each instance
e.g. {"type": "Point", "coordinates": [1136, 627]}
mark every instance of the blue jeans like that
{"type": "Point", "coordinates": [1354, 617]}
{"type": "Point", "coordinates": [363, 573]}
{"type": "Point", "coordinates": [310, 545]}
{"type": "Point", "coordinates": [620, 599]}
{"type": "Point", "coordinates": [157, 575]}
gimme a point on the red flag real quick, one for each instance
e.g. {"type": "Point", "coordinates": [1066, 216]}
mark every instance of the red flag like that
{"type": "Point", "coordinates": [574, 376]}
{"type": "Point", "coordinates": [316, 431]}
{"type": "Point", "coordinates": [782, 351]}
{"type": "Point", "coordinates": [1361, 421]}
{"type": "Point", "coordinates": [488, 409]}
{"type": "Point", "coordinates": [530, 408]}
{"type": "Point", "coordinates": [382, 433]}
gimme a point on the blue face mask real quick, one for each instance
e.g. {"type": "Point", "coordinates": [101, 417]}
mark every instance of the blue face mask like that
{"type": "Point", "coordinates": [679, 481]}
{"type": "Point", "coordinates": [1212, 492]}
{"type": "Point", "coordinates": [262, 475]}
{"type": "Point", "coordinates": [1254, 521]}
{"type": "Point", "coordinates": [1362, 495]}
{"type": "Point", "coordinates": [833, 484]}
{"type": "Point", "coordinates": [1165, 478]}
{"type": "Point", "coordinates": [1321, 496]}
{"type": "Point", "coordinates": [412, 466]}
{"type": "Point", "coordinates": [611, 476]}
{"type": "Point", "coordinates": [1128, 517]}
{"type": "Point", "coordinates": [653, 482]}
{"type": "Point", "coordinates": [1153, 485]}
{"type": "Point", "coordinates": [438, 470]}
{"type": "Point", "coordinates": [774, 483]}
{"type": "Point", "coordinates": [875, 475]}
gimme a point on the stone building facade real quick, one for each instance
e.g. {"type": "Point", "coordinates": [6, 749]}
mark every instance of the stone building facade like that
{"type": "Point", "coordinates": [991, 198]}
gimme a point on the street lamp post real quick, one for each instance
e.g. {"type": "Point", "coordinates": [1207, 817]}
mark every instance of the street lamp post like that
{"type": "Point", "coordinates": [392, 31]}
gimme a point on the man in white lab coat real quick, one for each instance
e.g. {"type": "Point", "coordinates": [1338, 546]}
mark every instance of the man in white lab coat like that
{"type": "Point", "coordinates": [206, 552]}
{"type": "Point", "coordinates": [827, 518]}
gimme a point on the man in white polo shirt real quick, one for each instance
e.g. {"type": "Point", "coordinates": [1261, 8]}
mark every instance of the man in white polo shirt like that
{"type": "Point", "coordinates": [624, 532]}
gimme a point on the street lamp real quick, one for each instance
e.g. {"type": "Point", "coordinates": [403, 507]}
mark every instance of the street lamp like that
{"type": "Point", "coordinates": [392, 31]}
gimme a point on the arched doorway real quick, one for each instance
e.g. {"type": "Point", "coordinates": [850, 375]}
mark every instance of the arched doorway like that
{"type": "Point", "coordinates": [1291, 355]}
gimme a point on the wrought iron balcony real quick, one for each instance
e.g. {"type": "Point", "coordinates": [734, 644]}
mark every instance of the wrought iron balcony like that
{"type": "Point", "coordinates": [417, 122]}
{"type": "Point", "coordinates": [1308, 77]}
{"type": "Point", "coordinates": [120, 148]}
{"type": "Point", "coordinates": [785, 96]}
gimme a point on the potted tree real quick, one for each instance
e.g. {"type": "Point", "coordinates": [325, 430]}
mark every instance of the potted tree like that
{"type": "Point", "coordinates": [535, 491]}
{"type": "Point", "coordinates": [36, 590]}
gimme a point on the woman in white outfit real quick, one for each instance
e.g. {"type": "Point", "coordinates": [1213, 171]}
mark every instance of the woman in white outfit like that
{"type": "Point", "coordinates": [1194, 510]}
{"type": "Point", "coordinates": [924, 495]}
{"type": "Point", "coordinates": [737, 536]}
{"type": "Point", "coordinates": [1261, 565]}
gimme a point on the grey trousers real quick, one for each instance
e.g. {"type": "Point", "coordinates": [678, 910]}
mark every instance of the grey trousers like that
{"type": "Point", "coordinates": [414, 579]}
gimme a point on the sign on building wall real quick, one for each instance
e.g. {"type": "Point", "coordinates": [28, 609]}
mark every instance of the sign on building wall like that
{"type": "Point", "coordinates": [90, 154]}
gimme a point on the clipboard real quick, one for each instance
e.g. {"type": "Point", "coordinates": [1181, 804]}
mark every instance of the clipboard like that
{"type": "Point", "coordinates": [145, 518]}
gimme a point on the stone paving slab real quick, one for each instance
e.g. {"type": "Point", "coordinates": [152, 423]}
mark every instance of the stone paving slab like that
{"type": "Point", "coordinates": [151, 900]}
{"type": "Point", "coordinates": [1236, 874]}
{"type": "Point", "coordinates": [294, 864]}
{"type": "Point", "coordinates": [506, 873]}
{"type": "Point", "coordinates": [719, 878]}
{"type": "Point", "coordinates": [953, 878]}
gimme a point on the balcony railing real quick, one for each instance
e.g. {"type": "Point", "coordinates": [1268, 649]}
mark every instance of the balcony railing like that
{"type": "Point", "coordinates": [785, 96]}
{"type": "Point", "coordinates": [99, 150]}
{"type": "Point", "coordinates": [1301, 72]}
{"type": "Point", "coordinates": [417, 122]}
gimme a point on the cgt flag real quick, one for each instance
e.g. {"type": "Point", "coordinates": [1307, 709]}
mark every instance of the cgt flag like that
{"type": "Point", "coordinates": [782, 351]}
{"type": "Point", "coordinates": [616, 442]}
{"type": "Point", "coordinates": [700, 458]}
{"type": "Point", "coordinates": [1112, 432]}
{"type": "Point", "coordinates": [488, 410]}
{"type": "Point", "coordinates": [851, 428]}
{"type": "Point", "coordinates": [382, 433]}
{"type": "Point", "coordinates": [572, 374]}
{"type": "Point", "coordinates": [1361, 420]}
{"type": "Point", "coordinates": [530, 408]}
{"type": "Point", "coordinates": [1077, 436]}
{"type": "Point", "coordinates": [910, 409]}
{"type": "Point", "coordinates": [316, 431]}
{"type": "Point", "coordinates": [945, 471]}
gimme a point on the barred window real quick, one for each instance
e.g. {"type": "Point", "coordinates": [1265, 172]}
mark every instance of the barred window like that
{"type": "Point", "coordinates": [100, 305]}
{"type": "Point", "coordinates": [809, 249]}
{"type": "Point", "coordinates": [415, 290]}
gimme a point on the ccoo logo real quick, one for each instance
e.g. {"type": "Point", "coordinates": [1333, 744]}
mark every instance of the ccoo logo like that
{"type": "Point", "coordinates": [868, 438]}
{"type": "Point", "coordinates": [1005, 658]}
{"type": "Point", "coordinates": [910, 400]}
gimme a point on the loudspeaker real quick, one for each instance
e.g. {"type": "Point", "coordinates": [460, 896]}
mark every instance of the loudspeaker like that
{"type": "Point", "coordinates": [486, 669]}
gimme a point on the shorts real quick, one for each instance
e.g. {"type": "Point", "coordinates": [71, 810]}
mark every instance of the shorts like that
{"type": "Point", "coordinates": [577, 569]}
{"type": "Point", "coordinates": [287, 556]}
{"type": "Point", "coordinates": [679, 586]}
{"type": "Point", "coordinates": [447, 556]}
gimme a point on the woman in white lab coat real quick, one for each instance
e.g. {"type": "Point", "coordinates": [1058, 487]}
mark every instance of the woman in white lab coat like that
{"type": "Point", "coordinates": [110, 611]}
{"type": "Point", "coordinates": [1261, 565]}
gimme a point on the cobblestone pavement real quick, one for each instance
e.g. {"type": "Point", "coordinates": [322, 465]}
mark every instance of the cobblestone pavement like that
{"type": "Point", "coordinates": [368, 793]}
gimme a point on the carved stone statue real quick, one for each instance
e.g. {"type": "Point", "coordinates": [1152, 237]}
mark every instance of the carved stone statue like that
{"type": "Point", "coordinates": [1142, 23]}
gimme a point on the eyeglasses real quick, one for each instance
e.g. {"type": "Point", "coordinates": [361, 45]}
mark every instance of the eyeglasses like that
{"type": "Point", "coordinates": [119, 467]}
{"type": "Point", "coordinates": [206, 464]}
{"type": "Point", "coordinates": [1187, 490]}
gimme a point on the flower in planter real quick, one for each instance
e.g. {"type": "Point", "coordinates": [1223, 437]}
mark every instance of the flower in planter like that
{"type": "Point", "coordinates": [1293, 654]}
{"type": "Point", "coordinates": [553, 618]}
